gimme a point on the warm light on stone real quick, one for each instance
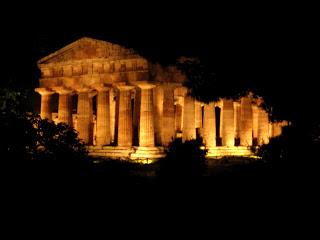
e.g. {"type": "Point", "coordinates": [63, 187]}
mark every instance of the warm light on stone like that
{"type": "Point", "coordinates": [46, 95]}
{"type": "Point", "coordinates": [103, 116]}
{"type": "Point", "coordinates": [189, 128]}
{"type": "Point", "coordinates": [139, 107]}
{"type": "Point", "coordinates": [246, 124]}
{"type": "Point", "coordinates": [209, 126]}
{"type": "Point", "coordinates": [146, 126]}
{"type": "Point", "coordinates": [125, 117]}
{"type": "Point", "coordinates": [228, 130]}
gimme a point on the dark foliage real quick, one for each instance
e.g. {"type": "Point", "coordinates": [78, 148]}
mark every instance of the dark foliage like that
{"type": "Point", "coordinates": [33, 145]}
{"type": "Point", "coordinates": [204, 85]}
{"type": "Point", "coordinates": [184, 159]}
{"type": "Point", "coordinates": [291, 153]}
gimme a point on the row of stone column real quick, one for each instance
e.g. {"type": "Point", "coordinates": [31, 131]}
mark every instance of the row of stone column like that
{"type": "Point", "coordinates": [157, 117]}
{"type": "Point", "coordinates": [124, 114]}
{"type": "Point", "coordinates": [236, 122]}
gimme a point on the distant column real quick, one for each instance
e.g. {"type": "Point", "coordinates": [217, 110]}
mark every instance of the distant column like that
{"type": "Point", "coordinates": [228, 128]}
{"type": "Point", "coordinates": [237, 114]}
{"type": "Point", "coordinates": [263, 127]}
{"type": "Point", "coordinates": [158, 113]}
{"type": "Point", "coordinates": [103, 116]}
{"type": "Point", "coordinates": [146, 123]}
{"type": "Point", "coordinates": [168, 120]}
{"type": "Point", "coordinates": [198, 115]}
{"type": "Point", "coordinates": [65, 106]}
{"type": "Point", "coordinates": [276, 129]}
{"type": "Point", "coordinates": [179, 115]}
{"type": "Point", "coordinates": [46, 96]}
{"type": "Point", "coordinates": [209, 125]}
{"type": "Point", "coordinates": [112, 102]}
{"type": "Point", "coordinates": [124, 116]}
{"type": "Point", "coordinates": [246, 124]}
{"type": "Point", "coordinates": [189, 128]}
{"type": "Point", "coordinates": [83, 125]}
{"type": "Point", "coordinates": [255, 121]}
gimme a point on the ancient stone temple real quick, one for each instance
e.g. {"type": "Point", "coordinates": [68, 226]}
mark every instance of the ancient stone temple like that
{"type": "Point", "coordinates": [123, 106]}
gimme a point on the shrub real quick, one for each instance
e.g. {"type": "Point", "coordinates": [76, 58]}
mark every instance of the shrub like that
{"type": "Point", "coordinates": [184, 159]}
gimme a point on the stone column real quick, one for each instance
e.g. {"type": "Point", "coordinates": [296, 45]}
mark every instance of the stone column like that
{"type": "Point", "coordinates": [276, 129]}
{"type": "Point", "coordinates": [124, 116]}
{"type": "Point", "coordinates": [65, 106]}
{"type": "Point", "coordinates": [168, 121]}
{"type": "Point", "coordinates": [112, 101]}
{"type": "Point", "coordinates": [178, 114]}
{"type": "Point", "coordinates": [255, 121]}
{"type": "Point", "coordinates": [189, 128]}
{"type": "Point", "coordinates": [146, 123]}
{"type": "Point", "coordinates": [228, 129]}
{"type": "Point", "coordinates": [198, 115]}
{"type": "Point", "coordinates": [246, 124]}
{"type": "Point", "coordinates": [236, 107]}
{"type": "Point", "coordinates": [103, 116]}
{"type": "Point", "coordinates": [46, 95]}
{"type": "Point", "coordinates": [83, 123]}
{"type": "Point", "coordinates": [158, 113]}
{"type": "Point", "coordinates": [263, 127]}
{"type": "Point", "coordinates": [209, 125]}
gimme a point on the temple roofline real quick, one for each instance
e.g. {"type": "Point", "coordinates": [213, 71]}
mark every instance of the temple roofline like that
{"type": "Point", "coordinates": [73, 45]}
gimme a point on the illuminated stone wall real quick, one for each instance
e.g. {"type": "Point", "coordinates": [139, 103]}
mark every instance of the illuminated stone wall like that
{"type": "Point", "coordinates": [126, 102]}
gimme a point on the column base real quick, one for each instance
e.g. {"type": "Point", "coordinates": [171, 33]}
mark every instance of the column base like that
{"type": "Point", "coordinates": [148, 153]}
{"type": "Point", "coordinates": [224, 151]}
{"type": "Point", "coordinates": [136, 154]}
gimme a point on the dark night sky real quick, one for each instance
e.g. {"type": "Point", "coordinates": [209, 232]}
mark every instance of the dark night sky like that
{"type": "Point", "coordinates": [264, 44]}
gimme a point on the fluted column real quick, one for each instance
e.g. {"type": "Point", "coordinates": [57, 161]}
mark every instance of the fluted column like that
{"type": "Point", "coordinates": [255, 121]}
{"type": "Point", "coordinates": [83, 125]}
{"type": "Point", "coordinates": [236, 107]}
{"type": "Point", "coordinates": [246, 124]}
{"type": "Point", "coordinates": [158, 113]}
{"type": "Point", "coordinates": [228, 129]}
{"type": "Point", "coordinates": [168, 120]}
{"type": "Point", "coordinates": [112, 102]}
{"type": "Point", "coordinates": [209, 125]}
{"type": "Point", "coordinates": [178, 114]}
{"type": "Point", "coordinates": [189, 128]}
{"type": "Point", "coordinates": [146, 123]}
{"type": "Point", "coordinates": [46, 95]}
{"type": "Point", "coordinates": [198, 115]}
{"type": "Point", "coordinates": [65, 106]}
{"type": "Point", "coordinates": [263, 127]}
{"type": "Point", "coordinates": [103, 116]}
{"type": "Point", "coordinates": [124, 116]}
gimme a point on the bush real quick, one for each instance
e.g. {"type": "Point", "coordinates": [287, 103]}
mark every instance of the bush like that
{"type": "Point", "coordinates": [184, 159]}
{"type": "Point", "coordinates": [29, 143]}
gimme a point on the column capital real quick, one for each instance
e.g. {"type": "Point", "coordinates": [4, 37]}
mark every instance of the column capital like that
{"type": "Point", "coordinates": [63, 90]}
{"type": "Point", "coordinates": [44, 91]}
{"type": "Point", "coordinates": [101, 87]}
{"type": "Point", "coordinates": [124, 87]}
{"type": "Point", "coordinates": [84, 90]}
{"type": "Point", "coordinates": [145, 85]}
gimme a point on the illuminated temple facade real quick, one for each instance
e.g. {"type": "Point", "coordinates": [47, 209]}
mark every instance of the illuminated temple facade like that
{"type": "Point", "coordinates": [123, 106]}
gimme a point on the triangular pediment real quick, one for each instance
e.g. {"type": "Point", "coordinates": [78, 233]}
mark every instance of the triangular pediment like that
{"type": "Point", "coordinates": [88, 48]}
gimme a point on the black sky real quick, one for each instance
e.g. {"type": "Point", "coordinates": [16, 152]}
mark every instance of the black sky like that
{"type": "Point", "coordinates": [266, 44]}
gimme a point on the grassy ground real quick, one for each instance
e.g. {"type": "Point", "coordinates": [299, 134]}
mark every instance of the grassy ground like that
{"type": "Point", "coordinates": [222, 167]}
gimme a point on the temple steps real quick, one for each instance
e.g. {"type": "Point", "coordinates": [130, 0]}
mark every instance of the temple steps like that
{"type": "Point", "coordinates": [154, 153]}
{"type": "Point", "coordinates": [222, 151]}
{"type": "Point", "coordinates": [148, 153]}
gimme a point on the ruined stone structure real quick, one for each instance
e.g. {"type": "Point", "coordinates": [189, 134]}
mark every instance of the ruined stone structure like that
{"type": "Point", "coordinates": [125, 107]}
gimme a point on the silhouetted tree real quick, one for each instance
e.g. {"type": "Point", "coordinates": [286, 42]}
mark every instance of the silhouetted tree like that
{"type": "Point", "coordinates": [26, 139]}
{"type": "Point", "coordinates": [295, 102]}
{"type": "Point", "coordinates": [184, 159]}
